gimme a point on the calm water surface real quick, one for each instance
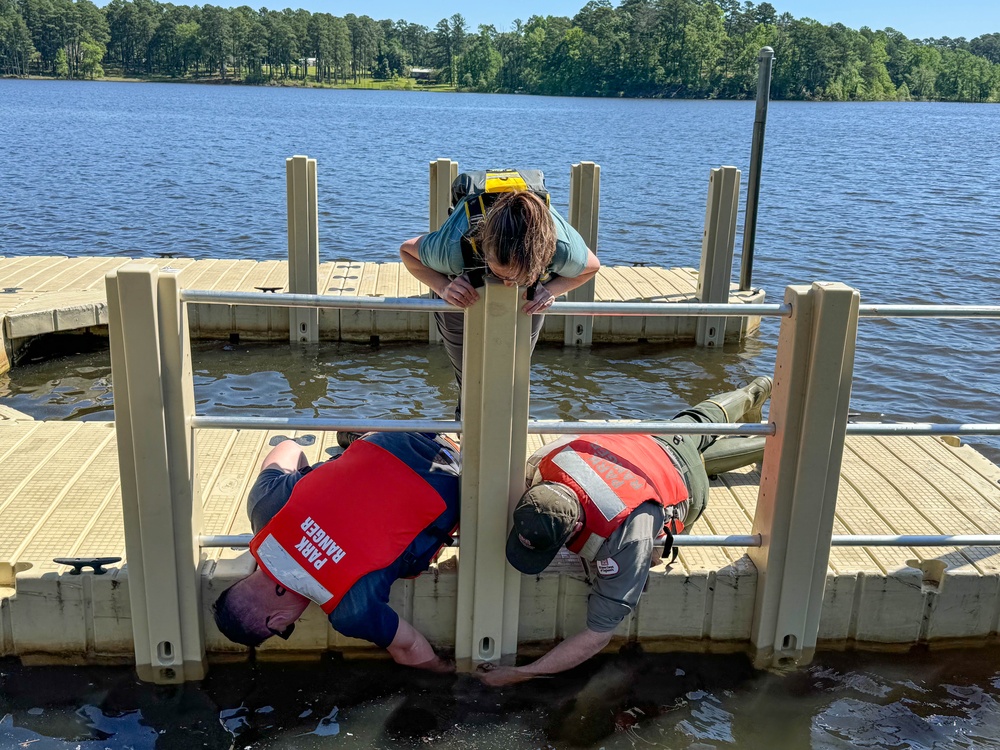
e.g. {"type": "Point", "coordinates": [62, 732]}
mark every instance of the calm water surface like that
{"type": "Point", "coordinates": [896, 200]}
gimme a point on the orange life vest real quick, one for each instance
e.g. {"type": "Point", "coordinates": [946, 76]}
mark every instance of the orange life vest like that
{"type": "Point", "coordinates": [347, 518]}
{"type": "Point", "coordinates": [612, 475]}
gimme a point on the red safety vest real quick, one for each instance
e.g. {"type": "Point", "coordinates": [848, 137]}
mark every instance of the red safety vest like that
{"type": "Point", "coordinates": [343, 520]}
{"type": "Point", "coordinates": [612, 475]}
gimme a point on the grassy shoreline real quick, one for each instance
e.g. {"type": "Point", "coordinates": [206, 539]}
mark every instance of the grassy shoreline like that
{"type": "Point", "coordinates": [398, 84]}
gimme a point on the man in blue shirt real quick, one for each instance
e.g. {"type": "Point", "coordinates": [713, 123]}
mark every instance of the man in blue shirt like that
{"type": "Point", "coordinates": [259, 606]}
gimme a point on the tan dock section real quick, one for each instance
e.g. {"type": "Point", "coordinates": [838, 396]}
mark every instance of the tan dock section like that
{"type": "Point", "coordinates": [59, 497]}
{"type": "Point", "coordinates": [50, 294]}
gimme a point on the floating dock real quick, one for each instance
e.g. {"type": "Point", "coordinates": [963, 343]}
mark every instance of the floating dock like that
{"type": "Point", "coordinates": [60, 496]}
{"type": "Point", "coordinates": [41, 295]}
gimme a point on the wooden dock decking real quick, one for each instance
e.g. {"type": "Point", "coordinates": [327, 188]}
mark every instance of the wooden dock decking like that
{"type": "Point", "coordinates": [59, 496]}
{"type": "Point", "coordinates": [47, 294]}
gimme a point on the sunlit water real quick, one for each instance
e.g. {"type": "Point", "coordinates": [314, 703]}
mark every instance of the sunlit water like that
{"type": "Point", "coordinates": [913, 701]}
{"type": "Point", "coordinates": [896, 200]}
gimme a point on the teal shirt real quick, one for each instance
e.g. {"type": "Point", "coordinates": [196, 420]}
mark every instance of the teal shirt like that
{"type": "Point", "coordinates": [442, 250]}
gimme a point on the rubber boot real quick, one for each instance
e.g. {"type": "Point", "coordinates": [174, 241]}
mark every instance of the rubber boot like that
{"type": "Point", "coordinates": [745, 404]}
{"type": "Point", "coordinates": [733, 452]}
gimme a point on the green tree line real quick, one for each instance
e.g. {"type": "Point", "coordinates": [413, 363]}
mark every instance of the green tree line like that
{"type": "Point", "coordinates": [639, 48]}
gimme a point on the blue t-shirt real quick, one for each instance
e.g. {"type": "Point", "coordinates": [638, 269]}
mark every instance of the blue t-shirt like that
{"type": "Point", "coordinates": [364, 612]}
{"type": "Point", "coordinates": [442, 250]}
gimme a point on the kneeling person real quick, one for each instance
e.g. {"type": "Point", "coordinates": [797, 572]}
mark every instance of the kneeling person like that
{"type": "Point", "coordinates": [611, 499]}
{"type": "Point", "coordinates": [339, 534]}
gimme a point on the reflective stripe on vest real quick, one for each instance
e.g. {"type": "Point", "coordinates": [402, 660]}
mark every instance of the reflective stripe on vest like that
{"type": "Point", "coordinates": [347, 518]}
{"type": "Point", "coordinates": [612, 475]}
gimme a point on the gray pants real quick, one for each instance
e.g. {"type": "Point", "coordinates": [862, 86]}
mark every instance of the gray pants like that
{"type": "Point", "coordinates": [697, 456]}
{"type": "Point", "coordinates": [451, 326]}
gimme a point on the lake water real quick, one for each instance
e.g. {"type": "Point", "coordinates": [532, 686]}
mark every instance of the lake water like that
{"type": "Point", "coordinates": [689, 701]}
{"type": "Point", "coordinates": [897, 200]}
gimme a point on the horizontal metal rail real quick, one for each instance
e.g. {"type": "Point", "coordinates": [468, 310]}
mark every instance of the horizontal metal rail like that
{"type": "Point", "coordinates": [682, 540]}
{"type": "Point", "coordinates": [672, 309]}
{"type": "Point", "coordinates": [432, 425]}
{"type": "Point", "coordinates": [918, 540]}
{"type": "Point", "coordinates": [921, 428]}
{"type": "Point", "coordinates": [547, 427]}
{"type": "Point", "coordinates": [236, 541]}
{"type": "Point", "coordinates": [929, 311]}
{"type": "Point", "coordinates": [556, 427]}
{"type": "Point", "coordinates": [742, 540]}
{"type": "Point", "coordinates": [325, 425]}
{"type": "Point", "coordinates": [419, 304]}
{"type": "Point", "coordinates": [261, 299]}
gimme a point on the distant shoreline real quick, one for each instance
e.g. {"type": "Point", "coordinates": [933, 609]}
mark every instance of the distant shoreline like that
{"type": "Point", "coordinates": [408, 84]}
{"type": "Point", "coordinates": [397, 85]}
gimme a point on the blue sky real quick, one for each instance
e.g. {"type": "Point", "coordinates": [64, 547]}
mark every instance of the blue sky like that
{"type": "Point", "coordinates": [917, 19]}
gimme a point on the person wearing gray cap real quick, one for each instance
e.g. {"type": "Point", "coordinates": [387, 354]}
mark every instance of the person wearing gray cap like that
{"type": "Point", "coordinates": [612, 499]}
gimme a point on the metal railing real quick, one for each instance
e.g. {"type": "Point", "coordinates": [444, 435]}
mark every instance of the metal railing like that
{"type": "Point", "coordinates": [558, 427]}
{"type": "Point", "coordinates": [241, 541]}
{"type": "Point", "coordinates": [791, 533]}
{"type": "Point", "coordinates": [325, 301]}
{"type": "Point", "coordinates": [929, 311]}
{"type": "Point", "coordinates": [536, 427]}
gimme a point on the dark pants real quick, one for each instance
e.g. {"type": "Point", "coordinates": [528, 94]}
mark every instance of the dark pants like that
{"type": "Point", "coordinates": [688, 451]}
{"type": "Point", "coordinates": [451, 326]}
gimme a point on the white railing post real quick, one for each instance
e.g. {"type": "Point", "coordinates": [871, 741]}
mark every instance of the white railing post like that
{"type": "Point", "coordinates": [154, 403]}
{"type": "Point", "coordinates": [520, 398]}
{"type": "Point", "coordinates": [494, 388]}
{"type": "Point", "coordinates": [800, 474]}
{"type": "Point", "coordinates": [584, 209]}
{"type": "Point", "coordinates": [442, 172]}
{"type": "Point", "coordinates": [303, 246]}
{"type": "Point", "coordinates": [718, 240]}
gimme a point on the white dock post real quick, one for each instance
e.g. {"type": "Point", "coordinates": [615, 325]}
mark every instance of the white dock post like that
{"type": "Point", "coordinates": [584, 208]}
{"type": "Point", "coordinates": [520, 398]}
{"type": "Point", "coordinates": [154, 402]}
{"type": "Point", "coordinates": [303, 246]}
{"type": "Point", "coordinates": [800, 474]}
{"type": "Point", "coordinates": [717, 244]}
{"type": "Point", "coordinates": [494, 388]}
{"type": "Point", "coordinates": [443, 172]}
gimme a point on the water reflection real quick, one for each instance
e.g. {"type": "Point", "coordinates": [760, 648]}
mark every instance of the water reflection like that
{"type": "Point", "coordinates": [916, 700]}
{"type": "Point", "coordinates": [894, 381]}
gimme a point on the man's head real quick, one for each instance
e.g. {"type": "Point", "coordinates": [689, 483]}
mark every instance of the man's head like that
{"type": "Point", "coordinates": [545, 518]}
{"type": "Point", "coordinates": [518, 237]}
{"type": "Point", "coordinates": [255, 608]}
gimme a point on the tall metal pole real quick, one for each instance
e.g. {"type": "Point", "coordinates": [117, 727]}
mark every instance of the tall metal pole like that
{"type": "Point", "coordinates": [765, 60]}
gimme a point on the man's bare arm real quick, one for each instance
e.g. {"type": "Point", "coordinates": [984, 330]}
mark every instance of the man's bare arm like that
{"type": "Point", "coordinates": [410, 648]}
{"type": "Point", "coordinates": [568, 654]}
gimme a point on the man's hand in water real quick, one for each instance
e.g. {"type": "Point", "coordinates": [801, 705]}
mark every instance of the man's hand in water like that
{"type": "Point", "coordinates": [437, 664]}
{"type": "Point", "coordinates": [495, 676]}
